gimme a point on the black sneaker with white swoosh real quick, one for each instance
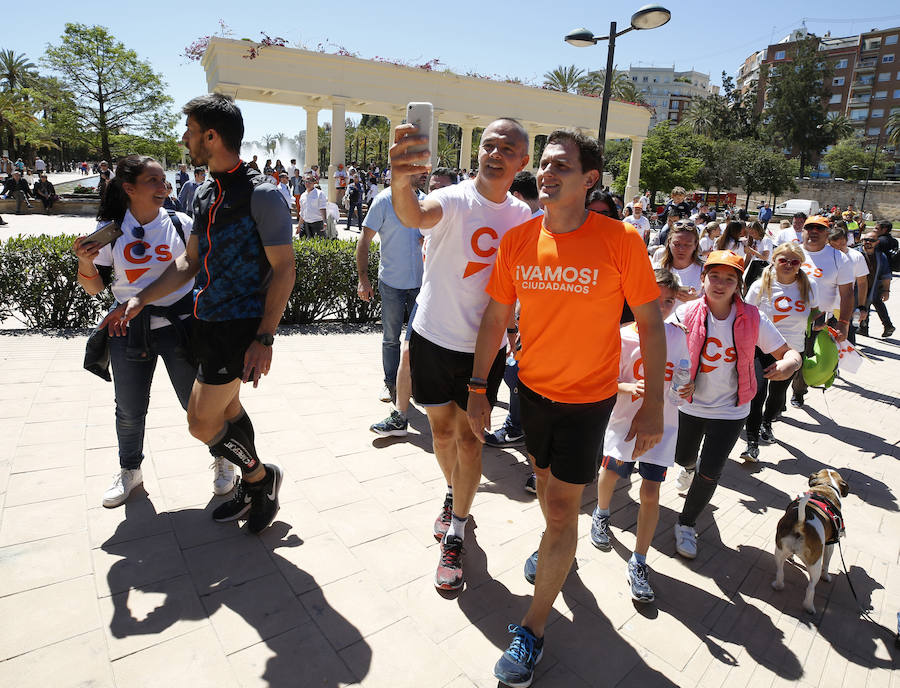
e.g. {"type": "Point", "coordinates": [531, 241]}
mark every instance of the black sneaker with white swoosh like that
{"type": "Point", "coordinates": [237, 506]}
{"type": "Point", "coordinates": [264, 499]}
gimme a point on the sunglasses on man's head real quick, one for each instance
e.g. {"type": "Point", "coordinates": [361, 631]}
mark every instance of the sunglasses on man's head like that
{"type": "Point", "coordinates": [793, 262]}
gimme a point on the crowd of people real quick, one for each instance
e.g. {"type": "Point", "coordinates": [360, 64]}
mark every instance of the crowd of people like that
{"type": "Point", "coordinates": [625, 347]}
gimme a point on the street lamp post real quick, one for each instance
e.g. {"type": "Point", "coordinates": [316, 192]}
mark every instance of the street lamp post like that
{"type": "Point", "coordinates": [647, 17]}
{"type": "Point", "coordinates": [869, 173]}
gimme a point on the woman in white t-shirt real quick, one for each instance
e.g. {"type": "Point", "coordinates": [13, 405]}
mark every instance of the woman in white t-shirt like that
{"type": "Point", "coordinates": [723, 333]}
{"type": "Point", "coordinates": [786, 296]}
{"type": "Point", "coordinates": [681, 257]}
{"type": "Point", "coordinates": [758, 245]}
{"type": "Point", "coordinates": [149, 243]}
{"type": "Point", "coordinates": [733, 238]}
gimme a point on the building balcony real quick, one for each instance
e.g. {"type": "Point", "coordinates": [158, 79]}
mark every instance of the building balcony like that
{"type": "Point", "coordinates": [858, 102]}
{"type": "Point", "coordinates": [862, 86]}
{"type": "Point", "coordinates": [858, 122]}
{"type": "Point", "coordinates": [866, 65]}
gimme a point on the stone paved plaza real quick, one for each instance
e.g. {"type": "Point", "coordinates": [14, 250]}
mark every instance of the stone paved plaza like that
{"type": "Point", "coordinates": [339, 590]}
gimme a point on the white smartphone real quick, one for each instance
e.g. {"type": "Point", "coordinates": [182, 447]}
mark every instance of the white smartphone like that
{"type": "Point", "coordinates": [421, 115]}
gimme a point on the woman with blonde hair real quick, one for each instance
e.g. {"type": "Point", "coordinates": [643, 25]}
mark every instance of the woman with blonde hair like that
{"type": "Point", "coordinates": [708, 238]}
{"type": "Point", "coordinates": [788, 297]}
{"type": "Point", "coordinates": [681, 256]}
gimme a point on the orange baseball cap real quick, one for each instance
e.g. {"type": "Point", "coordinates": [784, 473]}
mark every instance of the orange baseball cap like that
{"type": "Point", "coordinates": [818, 220]}
{"type": "Point", "coordinates": [729, 258]}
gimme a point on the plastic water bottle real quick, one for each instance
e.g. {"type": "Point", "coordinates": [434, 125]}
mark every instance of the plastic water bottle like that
{"type": "Point", "coordinates": [856, 319]}
{"type": "Point", "coordinates": [680, 377]}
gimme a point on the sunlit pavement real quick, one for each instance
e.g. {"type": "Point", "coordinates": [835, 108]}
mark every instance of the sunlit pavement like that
{"type": "Point", "coordinates": [339, 590]}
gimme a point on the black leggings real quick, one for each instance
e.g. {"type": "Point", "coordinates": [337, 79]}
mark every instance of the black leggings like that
{"type": "Point", "coordinates": [719, 437]}
{"type": "Point", "coordinates": [771, 393]}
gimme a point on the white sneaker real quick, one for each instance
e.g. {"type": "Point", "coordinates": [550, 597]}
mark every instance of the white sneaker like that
{"type": "Point", "coordinates": [224, 476]}
{"type": "Point", "coordinates": [683, 482]}
{"type": "Point", "coordinates": [685, 541]}
{"type": "Point", "coordinates": [124, 482]}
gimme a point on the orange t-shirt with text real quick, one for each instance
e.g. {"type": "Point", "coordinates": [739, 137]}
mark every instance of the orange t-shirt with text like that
{"type": "Point", "coordinates": [572, 288]}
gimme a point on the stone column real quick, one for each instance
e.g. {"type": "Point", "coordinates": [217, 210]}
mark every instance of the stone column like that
{"type": "Point", "coordinates": [435, 131]}
{"type": "Point", "coordinates": [532, 163]}
{"type": "Point", "coordinates": [632, 186]}
{"type": "Point", "coordinates": [311, 156]}
{"type": "Point", "coordinates": [465, 148]}
{"type": "Point", "coordinates": [338, 120]}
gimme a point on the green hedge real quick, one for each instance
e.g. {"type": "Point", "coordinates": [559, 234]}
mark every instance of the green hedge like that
{"type": "Point", "coordinates": [39, 287]}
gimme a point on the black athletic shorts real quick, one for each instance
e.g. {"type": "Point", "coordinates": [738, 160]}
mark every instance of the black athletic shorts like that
{"type": "Point", "coordinates": [567, 438]}
{"type": "Point", "coordinates": [219, 346]}
{"type": "Point", "coordinates": [442, 375]}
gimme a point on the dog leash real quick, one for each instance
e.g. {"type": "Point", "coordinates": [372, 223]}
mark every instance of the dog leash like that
{"type": "Point", "coordinates": [863, 610]}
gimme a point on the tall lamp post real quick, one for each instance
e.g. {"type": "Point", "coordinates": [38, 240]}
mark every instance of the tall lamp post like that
{"type": "Point", "coordinates": [870, 172]}
{"type": "Point", "coordinates": [647, 17]}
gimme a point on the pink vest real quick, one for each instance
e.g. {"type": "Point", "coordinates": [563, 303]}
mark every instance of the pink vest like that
{"type": "Point", "coordinates": [745, 332]}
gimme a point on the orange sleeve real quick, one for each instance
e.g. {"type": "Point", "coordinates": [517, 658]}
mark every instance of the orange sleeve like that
{"type": "Point", "coordinates": [501, 286]}
{"type": "Point", "coordinates": [638, 279]}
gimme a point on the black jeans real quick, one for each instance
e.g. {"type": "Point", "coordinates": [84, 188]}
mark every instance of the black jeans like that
{"type": "Point", "coordinates": [769, 393]}
{"type": "Point", "coordinates": [718, 437]}
{"type": "Point", "coordinates": [881, 309]}
{"type": "Point", "coordinates": [312, 229]}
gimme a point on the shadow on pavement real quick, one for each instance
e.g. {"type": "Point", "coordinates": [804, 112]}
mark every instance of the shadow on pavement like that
{"type": "Point", "coordinates": [302, 654]}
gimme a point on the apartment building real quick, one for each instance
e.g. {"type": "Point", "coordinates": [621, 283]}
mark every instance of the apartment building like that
{"type": "Point", "coordinates": [669, 92]}
{"type": "Point", "coordinates": [865, 84]}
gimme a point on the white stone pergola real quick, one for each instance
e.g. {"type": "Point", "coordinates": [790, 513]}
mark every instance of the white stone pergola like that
{"type": "Point", "coordinates": [314, 81]}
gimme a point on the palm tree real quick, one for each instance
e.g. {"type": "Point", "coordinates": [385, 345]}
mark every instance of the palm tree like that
{"type": "Point", "coordinates": [620, 85]}
{"type": "Point", "coordinates": [839, 126]}
{"type": "Point", "coordinates": [566, 79]}
{"type": "Point", "coordinates": [701, 116]}
{"type": "Point", "coordinates": [893, 129]}
{"type": "Point", "coordinates": [16, 70]}
{"type": "Point", "coordinates": [629, 93]}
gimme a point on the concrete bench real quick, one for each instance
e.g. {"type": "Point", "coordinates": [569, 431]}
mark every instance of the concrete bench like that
{"type": "Point", "coordinates": [65, 205]}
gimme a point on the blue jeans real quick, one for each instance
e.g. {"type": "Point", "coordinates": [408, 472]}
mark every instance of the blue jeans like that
{"type": "Point", "coordinates": [395, 304]}
{"type": "Point", "coordinates": [513, 421]}
{"type": "Point", "coordinates": [132, 379]}
{"type": "Point", "coordinates": [359, 216]}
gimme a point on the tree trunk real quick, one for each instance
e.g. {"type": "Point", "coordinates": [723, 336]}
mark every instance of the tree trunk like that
{"type": "Point", "coordinates": [747, 202]}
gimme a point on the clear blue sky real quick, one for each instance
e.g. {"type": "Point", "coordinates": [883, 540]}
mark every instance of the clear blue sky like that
{"type": "Point", "coordinates": [521, 39]}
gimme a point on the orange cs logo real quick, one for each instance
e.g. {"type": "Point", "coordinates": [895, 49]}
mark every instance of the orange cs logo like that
{"type": "Point", "coordinates": [730, 355]}
{"type": "Point", "coordinates": [137, 260]}
{"type": "Point", "coordinates": [487, 251]}
{"type": "Point", "coordinates": [638, 372]}
{"type": "Point", "coordinates": [784, 306]}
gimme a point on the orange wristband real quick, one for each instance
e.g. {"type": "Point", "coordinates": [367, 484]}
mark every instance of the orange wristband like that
{"type": "Point", "coordinates": [478, 390]}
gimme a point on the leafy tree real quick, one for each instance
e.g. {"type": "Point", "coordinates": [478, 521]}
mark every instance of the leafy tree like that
{"type": "Point", "coordinates": [795, 107]}
{"type": "Point", "coordinates": [701, 116]}
{"type": "Point", "coordinates": [839, 127]}
{"type": "Point", "coordinates": [113, 88]}
{"type": "Point", "coordinates": [616, 156]}
{"type": "Point", "coordinates": [667, 160]}
{"type": "Point", "coordinates": [569, 79]}
{"type": "Point", "coordinates": [850, 153]}
{"type": "Point", "coordinates": [727, 116]}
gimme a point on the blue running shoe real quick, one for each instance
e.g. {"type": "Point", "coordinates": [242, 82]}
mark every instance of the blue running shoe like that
{"type": "Point", "coordinates": [516, 667]}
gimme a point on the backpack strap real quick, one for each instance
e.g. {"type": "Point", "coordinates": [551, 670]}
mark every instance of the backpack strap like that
{"type": "Point", "coordinates": [173, 215]}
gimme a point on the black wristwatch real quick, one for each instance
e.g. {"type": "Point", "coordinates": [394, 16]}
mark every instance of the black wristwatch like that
{"type": "Point", "coordinates": [265, 339]}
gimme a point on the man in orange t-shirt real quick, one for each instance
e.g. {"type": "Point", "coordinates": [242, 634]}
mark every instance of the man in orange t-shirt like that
{"type": "Point", "coordinates": [571, 271]}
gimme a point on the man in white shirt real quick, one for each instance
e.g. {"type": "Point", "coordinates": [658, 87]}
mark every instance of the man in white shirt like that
{"type": "Point", "coordinates": [292, 167]}
{"type": "Point", "coordinates": [640, 223]}
{"type": "Point", "coordinates": [837, 239]}
{"type": "Point", "coordinates": [463, 225]}
{"type": "Point", "coordinates": [637, 200]}
{"type": "Point", "coordinates": [793, 233]}
{"type": "Point", "coordinates": [313, 206]}
{"type": "Point", "coordinates": [645, 201]}
{"type": "Point", "coordinates": [833, 273]}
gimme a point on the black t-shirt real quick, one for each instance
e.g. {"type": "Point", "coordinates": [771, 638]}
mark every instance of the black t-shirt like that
{"type": "Point", "coordinates": [886, 243]}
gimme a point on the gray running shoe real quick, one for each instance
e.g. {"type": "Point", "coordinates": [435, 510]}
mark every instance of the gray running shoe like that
{"type": "Point", "coordinates": [394, 425]}
{"type": "Point", "coordinates": [637, 579]}
{"type": "Point", "coordinates": [531, 568]}
{"type": "Point", "coordinates": [600, 531]}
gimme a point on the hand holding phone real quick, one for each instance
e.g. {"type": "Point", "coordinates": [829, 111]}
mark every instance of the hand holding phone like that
{"type": "Point", "coordinates": [421, 116]}
{"type": "Point", "coordinates": [105, 235]}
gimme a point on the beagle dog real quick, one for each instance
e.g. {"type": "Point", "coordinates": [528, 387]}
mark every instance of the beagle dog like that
{"type": "Point", "coordinates": [809, 529]}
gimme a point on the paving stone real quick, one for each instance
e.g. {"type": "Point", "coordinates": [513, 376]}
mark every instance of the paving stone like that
{"type": "Point", "coordinates": [47, 615]}
{"type": "Point", "coordinates": [44, 562]}
{"type": "Point", "coordinates": [78, 661]}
